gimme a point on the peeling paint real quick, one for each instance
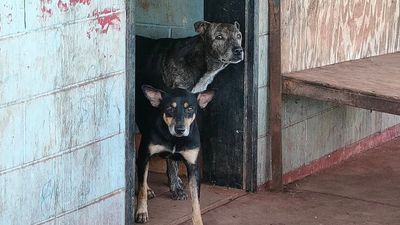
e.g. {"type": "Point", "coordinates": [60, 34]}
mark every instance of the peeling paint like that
{"type": "Point", "coordinates": [75, 2]}
{"type": "Point", "coordinates": [45, 10]}
{"type": "Point", "coordinates": [105, 19]}
{"type": "Point", "coordinates": [63, 6]}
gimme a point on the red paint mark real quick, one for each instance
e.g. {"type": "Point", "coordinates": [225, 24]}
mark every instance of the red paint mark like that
{"type": "Point", "coordinates": [46, 12]}
{"type": "Point", "coordinates": [63, 6]}
{"type": "Point", "coordinates": [75, 2]}
{"type": "Point", "coordinates": [338, 156]}
{"type": "Point", "coordinates": [105, 19]}
{"type": "Point", "coordinates": [108, 21]}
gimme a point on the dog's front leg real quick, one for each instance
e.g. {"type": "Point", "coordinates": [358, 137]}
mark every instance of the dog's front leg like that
{"type": "Point", "coordinates": [175, 183]}
{"type": "Point", "coordinates": [142, 162]}
{"type": "Point", "coordinates": [194, 186]}
{"type": "Point", "coordinates": [190, 157]}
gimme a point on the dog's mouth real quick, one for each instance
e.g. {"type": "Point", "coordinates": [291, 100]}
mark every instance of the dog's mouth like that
{"type": "Point", "coordinates": [175, 133]}
{"type": "Point", "coordinates": [234, 59]}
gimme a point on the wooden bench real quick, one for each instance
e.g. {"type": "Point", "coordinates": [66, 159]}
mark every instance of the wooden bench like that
{"type": "Point", "coordinates": [370, 83]}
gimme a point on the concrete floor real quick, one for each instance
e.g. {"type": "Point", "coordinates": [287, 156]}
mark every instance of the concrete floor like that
{"type": "Point", "coordinates": [364, 190]}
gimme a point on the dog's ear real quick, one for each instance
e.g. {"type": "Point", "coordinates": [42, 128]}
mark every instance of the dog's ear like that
{"type": "Point", "coordinates": [205, 97]}
{"type": "Point", "coordinates": [155, 96]}
{"type": "Point", "coordinates": [237, 25]}
{"type": "Point", "coordinates": [201, 26]}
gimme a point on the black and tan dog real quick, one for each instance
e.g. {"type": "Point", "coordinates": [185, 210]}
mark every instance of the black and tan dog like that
{"type": "Point", "coordinates": [173, 134]}
{"type": "Point", "coordinates": [189, 63]}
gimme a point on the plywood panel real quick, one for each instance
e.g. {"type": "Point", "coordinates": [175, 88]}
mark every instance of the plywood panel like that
{"type": "Point", "coordinates": [318, 32]}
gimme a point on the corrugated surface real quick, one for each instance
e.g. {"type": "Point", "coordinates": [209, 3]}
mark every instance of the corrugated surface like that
{"type": "Point", "coordinates": [318, 32]}
{"type": "Point", "coordinates": [62, 112]}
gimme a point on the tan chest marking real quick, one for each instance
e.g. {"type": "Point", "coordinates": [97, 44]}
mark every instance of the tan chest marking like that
{"type": "Point", "coordinates": [154, 149]}
{"type": "Point", "coordinates": [190, 155]}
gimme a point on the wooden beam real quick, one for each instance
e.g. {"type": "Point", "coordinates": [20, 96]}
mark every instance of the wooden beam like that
{"type": "Point", "coordinates": [222, 139]}
{"type": "Point", "coordinates": [340, 96]}
{"type": "Point", "coordinates": [275, 90]}
{"type": "Point", "coordinates": [250, 83]}
{"type": "Point", "coordinates": [130, 114]}
{"type": "Point", "coordinates": [371, 83]}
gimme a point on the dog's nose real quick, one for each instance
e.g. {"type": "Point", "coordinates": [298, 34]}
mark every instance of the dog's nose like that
{"type": "Point", "coordinates": [237, 51]}
{"type": "Point", "coordinates": [180, 129]}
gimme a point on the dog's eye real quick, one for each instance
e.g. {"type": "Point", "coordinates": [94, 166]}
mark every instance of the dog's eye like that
{"type": "Point", "coordinates": [189, 109]}
{"type": "Point", "coordinates": [219, 37]}
{"type": "Point", "coordinates": [239, 35]}
{"type": "Point", "coordinates": [170, 109]}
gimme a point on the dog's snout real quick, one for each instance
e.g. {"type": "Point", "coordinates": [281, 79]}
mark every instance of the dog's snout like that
{"type": "Point", "coordinates": [238, 50]}
{"type": "Point", "coordinates": [179, 129]}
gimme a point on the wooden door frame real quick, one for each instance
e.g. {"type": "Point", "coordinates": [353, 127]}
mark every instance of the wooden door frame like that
{"type": "Point", "coordinates": [130, 113]}
{"type": "Point", "coordinates": [246, 171]}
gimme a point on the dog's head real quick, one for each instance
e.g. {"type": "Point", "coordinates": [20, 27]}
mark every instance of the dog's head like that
{"type": "Point", "coordinates": [223, 40]}
{"type": "Point", "coordinates": [178, 108]}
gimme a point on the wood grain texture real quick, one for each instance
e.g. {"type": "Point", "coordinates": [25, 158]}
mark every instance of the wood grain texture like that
{"type": "Point", "coordinates": [62, 112]}
{"type": "Point", "coordinates": [275, 91]}
{"type": "Point", "coordinates": [372, 83]}
{"type": "Point", "coordinates": [130, 156]}
{"type": "Point", "coordinates": [317, 32]}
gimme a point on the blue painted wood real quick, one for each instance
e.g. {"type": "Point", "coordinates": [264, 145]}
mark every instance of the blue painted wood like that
{"type": "Point", "coordinates": [62, 112]}
{"type": "Point", "coordinates": [168, 18]}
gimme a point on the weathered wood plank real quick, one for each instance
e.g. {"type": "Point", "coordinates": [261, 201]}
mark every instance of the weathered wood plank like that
{"type": "Point", "coordinates": [340, 96]}
{"type": "Point", "coordinates": [62, 112]}
{"type": "Point", "coordinates": [275, 120]}
{"type": "Point", "coordinates": [371, 83]}
{"type": "Point", "coordinates": [11, 17]}
{"type": "Point", "coordinates": [45, 13]}
{"type": "Point", "coordinates": [49, 188]}
{"type": "Point", "coordinates": [130, 167]}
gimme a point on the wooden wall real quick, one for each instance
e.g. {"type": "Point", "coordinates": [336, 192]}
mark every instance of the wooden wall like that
{"type": "Point", "coordinates": [167, 18]}
{"type": "Point", "coordinates": [316, 33]}
{"type": "Point", "coordinates": [320, 32]}
{"type": "Point", "coordinates": [62, 112]}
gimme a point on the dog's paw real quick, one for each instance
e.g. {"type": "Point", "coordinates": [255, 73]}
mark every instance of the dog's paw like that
{"type": "Point", "coordinates": [142, 217]}
{"type": "Point", "coordinates": [179, 194]}
{"type": "Point", "coordinates": [150, 194]}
